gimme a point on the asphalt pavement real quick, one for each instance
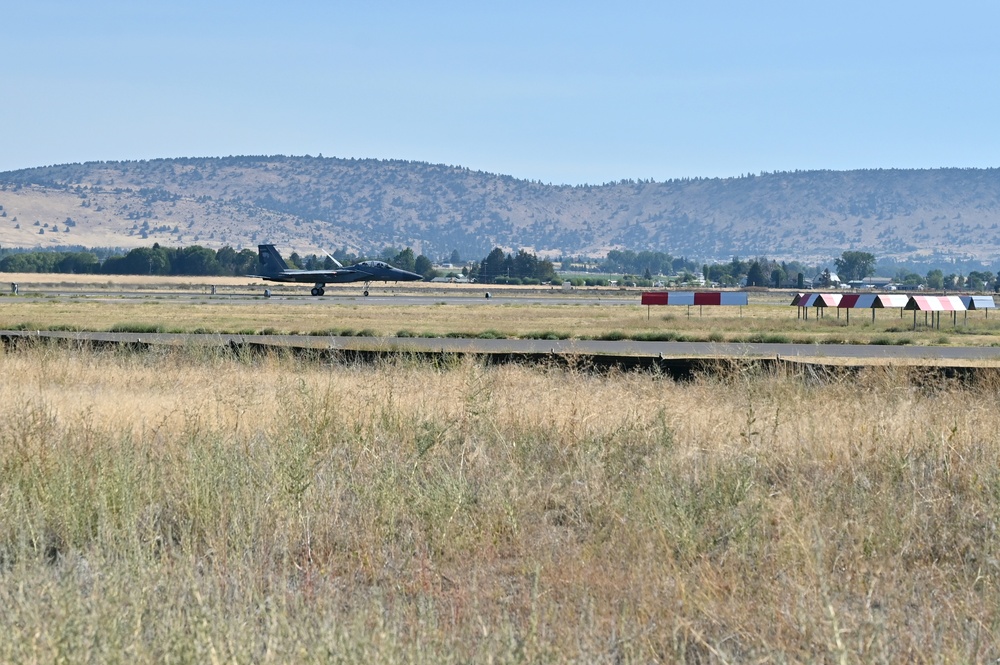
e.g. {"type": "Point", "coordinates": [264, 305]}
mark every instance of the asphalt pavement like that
{"type": "Point", "coordinates": [528, 347]}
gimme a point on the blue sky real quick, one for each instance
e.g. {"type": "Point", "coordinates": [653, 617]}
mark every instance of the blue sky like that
{"type": "Point", "coordinates": [562, 92]}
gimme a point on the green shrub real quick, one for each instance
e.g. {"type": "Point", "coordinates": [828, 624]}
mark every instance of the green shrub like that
{"type": "Point", "coordinates": [546, 334]}
{"type": "Point", "coordinates": [659, 336]}
{"type": "Point", "coordinates": [137, 328]}
{"type": "Point", "coordinates": [768, 338]}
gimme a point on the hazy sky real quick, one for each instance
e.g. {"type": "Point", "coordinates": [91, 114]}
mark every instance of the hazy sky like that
{"type": "Point", "coordinates": [562, 92]}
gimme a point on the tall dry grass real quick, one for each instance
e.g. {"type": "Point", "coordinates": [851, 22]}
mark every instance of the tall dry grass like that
{"type": "Point", "coordinates": [186, 507]}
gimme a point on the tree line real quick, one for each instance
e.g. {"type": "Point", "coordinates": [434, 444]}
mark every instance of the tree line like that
{"type": "Point", "coordinates": [156, 260]}
{"type": "Point", "coordinates": [521, 268]}
{"type": "Point", "coordinates": [498, 267]}
{"type": "Point", "coordinates": [626, 261]}
{"type": "Point", "coordinates": [194, 260]}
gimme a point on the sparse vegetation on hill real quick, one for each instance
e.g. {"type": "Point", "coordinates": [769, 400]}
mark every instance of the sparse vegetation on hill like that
{"type": "Point", "coordinates": [311, 203]}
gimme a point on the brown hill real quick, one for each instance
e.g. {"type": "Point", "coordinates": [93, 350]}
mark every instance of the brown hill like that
{"type": "Point", "coordinates": [313, 203]}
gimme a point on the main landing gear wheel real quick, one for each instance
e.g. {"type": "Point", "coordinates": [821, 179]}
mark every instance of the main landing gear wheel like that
{"type": "Point", "coordinates": [366, 293]}
{"type": "Point", "coordinates": [317, 291]}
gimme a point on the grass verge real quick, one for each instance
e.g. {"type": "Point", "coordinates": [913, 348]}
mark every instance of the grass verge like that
{"type": "Point", "coordinates": [188, 505]}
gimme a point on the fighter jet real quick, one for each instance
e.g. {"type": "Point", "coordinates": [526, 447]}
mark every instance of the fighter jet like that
{"type": "Point", "coordinates": [274, 269]}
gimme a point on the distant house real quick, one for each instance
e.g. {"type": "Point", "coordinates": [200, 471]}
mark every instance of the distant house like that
{"type": "Point", "coordinates": [871, 283]}
{"type": "Point", "coordinates": [826, 279]}
{"type": "Point", "coordinates": [454, 279]}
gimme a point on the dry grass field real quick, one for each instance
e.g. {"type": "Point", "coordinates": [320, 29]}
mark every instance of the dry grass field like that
{"type": "Point", "coordinates": [192, 507]}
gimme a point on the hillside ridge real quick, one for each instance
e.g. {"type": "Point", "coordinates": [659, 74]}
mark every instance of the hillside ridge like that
{"type": "Point", "coordinates": [365, 205]}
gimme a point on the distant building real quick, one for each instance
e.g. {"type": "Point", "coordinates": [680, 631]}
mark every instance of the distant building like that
{"type": "Point", "coordinates": [826, 279]}
{"type": "Point", "coordinates": [881, 283]}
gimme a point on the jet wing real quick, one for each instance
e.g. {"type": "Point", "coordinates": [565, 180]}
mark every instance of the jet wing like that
{"type": "Point", "coordinates": [315, 276]}
{"type": "Point", "coordinates": [318, 275]}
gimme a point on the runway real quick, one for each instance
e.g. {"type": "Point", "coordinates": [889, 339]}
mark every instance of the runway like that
{"type": "Point", "coordinates": [625, 352]}
{"type": "Point", "coordinates": [401, 298]}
